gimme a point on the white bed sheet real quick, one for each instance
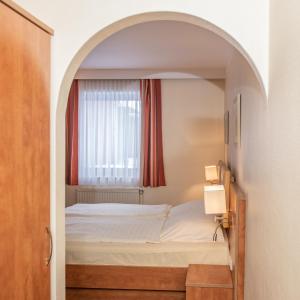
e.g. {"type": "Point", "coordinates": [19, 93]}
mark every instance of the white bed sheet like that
{"type": "Point", "coordinates": [114, 229]}
{"type": "Point", "coordinates": [165, 254]}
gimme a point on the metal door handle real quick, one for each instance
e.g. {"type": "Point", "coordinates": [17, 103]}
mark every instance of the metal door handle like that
{"type": "Point", "coordinates": [48, 259]}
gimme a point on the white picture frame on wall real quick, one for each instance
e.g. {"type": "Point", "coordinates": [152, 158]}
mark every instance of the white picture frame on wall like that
{"type": "Point", "coordinates": [237, 119]}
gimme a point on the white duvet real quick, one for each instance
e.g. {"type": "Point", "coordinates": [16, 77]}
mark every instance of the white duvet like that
{"type": "Point", "coordinates": [125, 229]}
{"type": "Point", "coordinates": [131, 223]}
{"type": "Point", "coordinates": [117, 209]}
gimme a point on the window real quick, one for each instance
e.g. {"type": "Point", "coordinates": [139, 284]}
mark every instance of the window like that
{"type": "Point", "coordinates": [109, 116]}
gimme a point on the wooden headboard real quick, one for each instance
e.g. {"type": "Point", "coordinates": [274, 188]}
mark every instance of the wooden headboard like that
{"type": "Point", "coordinates": [236, 205]}
{"type": "Point", "coordinates": [236, 237]}
{"type": "Point", "coordinates": [225, 179]}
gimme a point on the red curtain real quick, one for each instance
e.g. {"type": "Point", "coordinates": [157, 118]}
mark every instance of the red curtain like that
{"type": "Point", "coordinates": [72, 136]}
{"type": "Point", "coordinates": [153, 163]}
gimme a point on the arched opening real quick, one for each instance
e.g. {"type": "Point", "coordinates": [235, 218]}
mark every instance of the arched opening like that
{"type": "Point", "coordinates": [97, 39]}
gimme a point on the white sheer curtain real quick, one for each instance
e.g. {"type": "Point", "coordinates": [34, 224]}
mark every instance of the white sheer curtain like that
{"type": "Point", "coordinates": [109, 132]}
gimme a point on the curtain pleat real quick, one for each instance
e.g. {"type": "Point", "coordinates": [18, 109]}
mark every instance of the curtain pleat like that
{"type": "Point", "coordinates": [153, 163]}
{"type": "Point", "coordinates": [72, 136]}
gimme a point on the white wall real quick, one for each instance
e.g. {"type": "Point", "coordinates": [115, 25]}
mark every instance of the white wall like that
{"type": "Point", "coordinates": [250, 164]}
{"type": "Point", "coordinates": [267, 162]}
{"type": "Point", "coordinates": [76, 21]}
{"type": "Point", "coordinates": [192, 115]}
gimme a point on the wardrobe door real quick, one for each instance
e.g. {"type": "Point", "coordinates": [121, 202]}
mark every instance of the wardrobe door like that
{"type": "Point", "coordinates": [24, 158]}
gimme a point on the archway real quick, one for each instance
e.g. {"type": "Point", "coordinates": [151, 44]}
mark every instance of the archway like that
{"type": "Point", "coordinates": [62, 102]}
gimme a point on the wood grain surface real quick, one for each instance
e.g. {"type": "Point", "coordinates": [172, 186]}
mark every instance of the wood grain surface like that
{"type": "Point", "coordinates": [24, 157]}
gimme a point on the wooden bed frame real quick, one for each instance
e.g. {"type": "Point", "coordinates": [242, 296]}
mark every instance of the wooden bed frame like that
{"type": "Point", "coordinates": [97, 282]}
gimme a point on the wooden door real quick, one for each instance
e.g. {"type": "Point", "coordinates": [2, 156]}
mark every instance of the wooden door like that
{"type": "Point", "coordinates": [24, 158]}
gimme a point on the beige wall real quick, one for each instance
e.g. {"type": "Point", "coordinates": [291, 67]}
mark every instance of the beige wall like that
{"type": "Point", "coordinates": [193, 111]}
{"type": "Point", "coordinates": [250, 163]}
{"type": "Point", "coordinates": [267, 161]}
{"type": "Point", "coordinates": [192, 114]}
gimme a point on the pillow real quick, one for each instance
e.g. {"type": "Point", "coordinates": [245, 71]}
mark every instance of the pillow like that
{"type": "Point", "coordinates": [192, 208]}
{"type": "Point", "coordinates": [188, 223]}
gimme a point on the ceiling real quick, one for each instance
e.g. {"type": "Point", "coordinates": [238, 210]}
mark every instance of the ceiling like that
{"type": "Point", "coordinates": [160, 45]}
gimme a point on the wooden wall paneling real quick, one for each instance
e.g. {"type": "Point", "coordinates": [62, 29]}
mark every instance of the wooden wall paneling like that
{"type": "Point", "coordinates": [24, 157]}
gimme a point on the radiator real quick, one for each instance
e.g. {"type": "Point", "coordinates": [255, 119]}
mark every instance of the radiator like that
{"type": "Point", "coordinates": [109, 195]}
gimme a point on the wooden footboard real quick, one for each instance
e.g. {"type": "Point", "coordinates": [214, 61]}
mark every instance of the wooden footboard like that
{"type": "Point", "coordinates": [126, 278]}
{"type": "Point", "coordinates": [106, 294]}
{"type": "Point", "coordinates": [121, 282]}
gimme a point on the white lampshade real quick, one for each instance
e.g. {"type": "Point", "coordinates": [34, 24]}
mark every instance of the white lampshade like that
{"type": "Point", "coordinates": [214, 199]}
{"type": "Point", "coordinates": [211, 173]}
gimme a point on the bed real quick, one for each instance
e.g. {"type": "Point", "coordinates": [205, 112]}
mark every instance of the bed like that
{"type": "Point", "coordinates": [126, 267]}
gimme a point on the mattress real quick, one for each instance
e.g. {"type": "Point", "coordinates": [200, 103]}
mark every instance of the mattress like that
{"type": "Point", "coordinates": [165, 254]}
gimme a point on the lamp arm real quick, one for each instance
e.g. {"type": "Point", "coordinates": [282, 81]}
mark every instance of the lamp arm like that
{"type": "Point", "coordinates": [215, 236]}
{"type": "Point", "coordinates": [219, 219]}
{"type": "Point", "coordinates": [224, 220]}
